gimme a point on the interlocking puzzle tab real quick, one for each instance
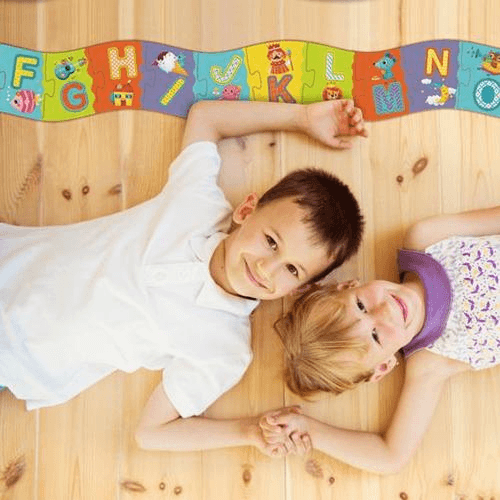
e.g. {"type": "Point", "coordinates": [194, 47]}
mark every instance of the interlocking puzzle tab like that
{"type": "Point", "coordinates": [168, 79]}
{"type": "Point", "coordinates": [330, 71]}
{"type": "Point", "coordinates": [479, 77]}
{"type": "Point", "coordinates": [379, 84]}
{"type": "Point", "coordinates": [435, 74]}
{"type": "Point", "coordinates": [431, 74]}
{"type": "Point", "coordinates": [22, 91]}
{"type": "Point", "coordinates": [114, 68]}
{"type": "Point", "coordinates": [221, 75]}
{"type": "Point", "coordinates": [68, 86]}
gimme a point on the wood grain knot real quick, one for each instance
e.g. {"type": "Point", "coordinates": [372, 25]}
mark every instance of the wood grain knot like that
{"type": "Point", "coordinates": [162, 486]}
{"type": "Point", "coordinates": [420, 165]}
{"type": "Point", "coordinates": [177, 490]}
{"type": "Point", "coordinates": [133, 486]}
{"type": "Point", "coordinates": [66, 194]}
{"type": "Point", "coordinates": [314, 468]}
{"type": "Point", "coordinates": [403, 496]}
{"type": "Point", "coordinates": [116, 189]}
{"type": "Point", "coordinates": [247, 476]}
{"type": "Point", "coordinates": [331, 479]}
{"type": "Point", "coordinates": [85, 190]}
{"type": "Point", "coordinates": [13, 472]}
{"type": "Point", "coordinates": [400, 179]}
{"type": "Point", "coordinates": [272, 144]}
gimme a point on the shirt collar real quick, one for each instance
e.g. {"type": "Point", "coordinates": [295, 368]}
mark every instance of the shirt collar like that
{"type": "Point", "coordinates": [212, 295]}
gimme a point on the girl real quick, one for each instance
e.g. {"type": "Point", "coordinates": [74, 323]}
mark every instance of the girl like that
{"type": "Point", "coordinates": [444, 318]}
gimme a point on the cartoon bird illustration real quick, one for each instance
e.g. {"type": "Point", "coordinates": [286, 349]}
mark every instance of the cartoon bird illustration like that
{"type": "Point", "coordinates": [170, 63]}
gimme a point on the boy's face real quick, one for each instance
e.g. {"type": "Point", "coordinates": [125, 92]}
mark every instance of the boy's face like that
{"type": "Point", "coordinates": [271, 253]}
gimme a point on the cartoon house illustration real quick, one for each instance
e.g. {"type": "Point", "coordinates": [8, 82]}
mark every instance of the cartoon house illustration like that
{"type": "Point", "coordinates": [123, 95]}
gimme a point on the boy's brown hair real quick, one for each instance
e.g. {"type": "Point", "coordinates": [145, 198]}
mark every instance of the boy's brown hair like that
{"type": "Point", "coordinates": [333, 213]}
{"type": "Point", "coordinates": [316, 343]}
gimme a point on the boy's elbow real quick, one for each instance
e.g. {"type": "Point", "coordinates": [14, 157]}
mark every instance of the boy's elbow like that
{"type": "Point", "coordinates": [143, 439]}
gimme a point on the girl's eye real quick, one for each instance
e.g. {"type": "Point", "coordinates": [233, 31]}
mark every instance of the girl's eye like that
{"type": "Point", "coordinates": [272, 244]}
{"type": "Point", "coordinates": [375, 336]}
{"type": "Point", "coordinates": [360, 305]}
{"type": "Point", "coordinates": [293, 270]}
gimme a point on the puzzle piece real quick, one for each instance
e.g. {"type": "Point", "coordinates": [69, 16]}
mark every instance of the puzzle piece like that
{"type": "Point", "coordinates": [167, 79]}
{"type": "Point", "coordinates": [479, 78]}
{"type": "Point", "coordinates": [221, 75]}
{"type": "Point", "coordinates": [379, 84]}
{"type": "Point", "coordinates": [114, 68]}
{"type": "Point", "coordinates": [277, 67]}
{"type": "Point", "coordinates": [68, 86]}
{"type": "Point", "coordinates": [431, 74]}
{"type": "Point", "coordinates": [21, 93]}
{"type": "Point", "coordinates": [330, 71]}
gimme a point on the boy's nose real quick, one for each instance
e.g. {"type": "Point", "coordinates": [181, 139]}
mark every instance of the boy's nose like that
{"type": "Point", "coordinates": [267, 267]}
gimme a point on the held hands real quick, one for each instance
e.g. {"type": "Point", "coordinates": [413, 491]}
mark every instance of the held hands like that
{"type": "Point", "coordinates": [331, 122]}
{"type": "Point", "coordinates": [285, 431]}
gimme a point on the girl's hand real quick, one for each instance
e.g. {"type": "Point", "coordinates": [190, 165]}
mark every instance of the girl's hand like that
{"type": "Point", "coordinates": [288, 427]}
{"type": "Point", "coordinates": [328, 121]}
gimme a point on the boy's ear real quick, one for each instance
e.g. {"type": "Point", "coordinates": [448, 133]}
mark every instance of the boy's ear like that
{"type": "Point", "coordinates": [383, 369]}
{"type": "Point", "coordinates": [344, 285]}
{"type": "Point", "coordinates": [245, 208]}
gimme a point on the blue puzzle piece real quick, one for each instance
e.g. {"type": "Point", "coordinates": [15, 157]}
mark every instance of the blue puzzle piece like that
{"type": "Point", "coordinates": [22, 92]}
{"type": "Point", "coordinates": [479, 77]}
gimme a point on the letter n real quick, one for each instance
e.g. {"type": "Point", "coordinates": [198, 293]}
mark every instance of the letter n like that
{"type": "Point", "coordinates": [432, 59]}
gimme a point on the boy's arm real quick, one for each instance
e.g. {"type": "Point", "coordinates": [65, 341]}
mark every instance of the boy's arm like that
{"type": "Point", "coordinates": [389, 452]}
{"type": "Point", "coordinates": [161, 428]}
{"type": "Point", "coordinates": [474, 223]}
{"type": "Point", "coordinates": [326, 121]}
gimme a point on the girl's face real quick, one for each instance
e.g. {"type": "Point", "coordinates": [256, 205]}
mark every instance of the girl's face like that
{"type": "Point", "coordinates": [386, 315]}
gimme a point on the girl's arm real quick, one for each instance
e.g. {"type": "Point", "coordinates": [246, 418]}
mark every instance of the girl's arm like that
{"type": "Point", "coordinates": [325, 121]}
{"type": "Point", "coordinates": [161, 428]}
{"type": "Point", "coordinates": [474, 223]}
{"type": "Point", "coordinates": [388, 452]}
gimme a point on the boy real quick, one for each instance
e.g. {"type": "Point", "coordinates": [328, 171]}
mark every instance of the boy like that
{"type": "Point", "coordinates": [162, 285]}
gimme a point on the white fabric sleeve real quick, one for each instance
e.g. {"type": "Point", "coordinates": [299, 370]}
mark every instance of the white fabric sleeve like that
{"type": "Point", "coordinates": [192, 389]}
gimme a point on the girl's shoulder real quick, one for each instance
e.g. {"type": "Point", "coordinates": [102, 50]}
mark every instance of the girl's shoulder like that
{"type": "Point", "coordinates": [429, 365]}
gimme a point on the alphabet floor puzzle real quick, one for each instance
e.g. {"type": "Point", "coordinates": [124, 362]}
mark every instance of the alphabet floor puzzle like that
{"type": "Point", "coordinates": [58, 86]}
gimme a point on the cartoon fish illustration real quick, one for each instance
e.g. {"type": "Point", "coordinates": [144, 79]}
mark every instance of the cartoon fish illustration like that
{"type": "Point", "coordinates": [25, 101]}
{"type": "Point", "coordinates": [170, 63]}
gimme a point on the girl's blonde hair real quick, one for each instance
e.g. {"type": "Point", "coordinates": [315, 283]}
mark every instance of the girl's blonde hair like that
{"type": "Point", "coordinates": [316, 343]}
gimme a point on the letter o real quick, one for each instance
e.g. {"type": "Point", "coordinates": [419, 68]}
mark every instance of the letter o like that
{"type": "Point", "coordinates": [487, 94]}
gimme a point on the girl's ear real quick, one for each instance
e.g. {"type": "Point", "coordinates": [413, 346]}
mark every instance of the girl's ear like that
{"type": "Point", "coordinates": [383, 369]}
{"type": "Point", "coordinates": [344, 285]}
{"type": "Point", "coordinates": [245, 208]}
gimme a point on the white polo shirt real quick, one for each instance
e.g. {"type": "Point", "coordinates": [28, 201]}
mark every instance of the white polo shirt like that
{"type": "Point", "coordinates": [125, 291]}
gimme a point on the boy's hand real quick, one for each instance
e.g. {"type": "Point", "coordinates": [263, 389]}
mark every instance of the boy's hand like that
{"type": "Point", "coordinates": [331, 121]}
{"type": "Point", "coordinates": [287, 427]}
{"type": "Point", "coordinates": [254, 434]}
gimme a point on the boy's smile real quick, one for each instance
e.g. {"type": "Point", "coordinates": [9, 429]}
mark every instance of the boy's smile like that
{"type": "Point", "coordinates": [270, 254]}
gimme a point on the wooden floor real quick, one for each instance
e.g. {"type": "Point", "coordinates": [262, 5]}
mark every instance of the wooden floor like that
{"type": "Point", "coordinates": [84, 450]}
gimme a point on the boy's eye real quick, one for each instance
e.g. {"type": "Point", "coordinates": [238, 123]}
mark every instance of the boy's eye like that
{"type": "Point", "coordinates": [293, 270]}
{"type": "Point", "coordinates": [375, 336]}
{"type": "Point", "coordinates": [272, 244]}
{"type": "Point", "coordinates": [360, 305]}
